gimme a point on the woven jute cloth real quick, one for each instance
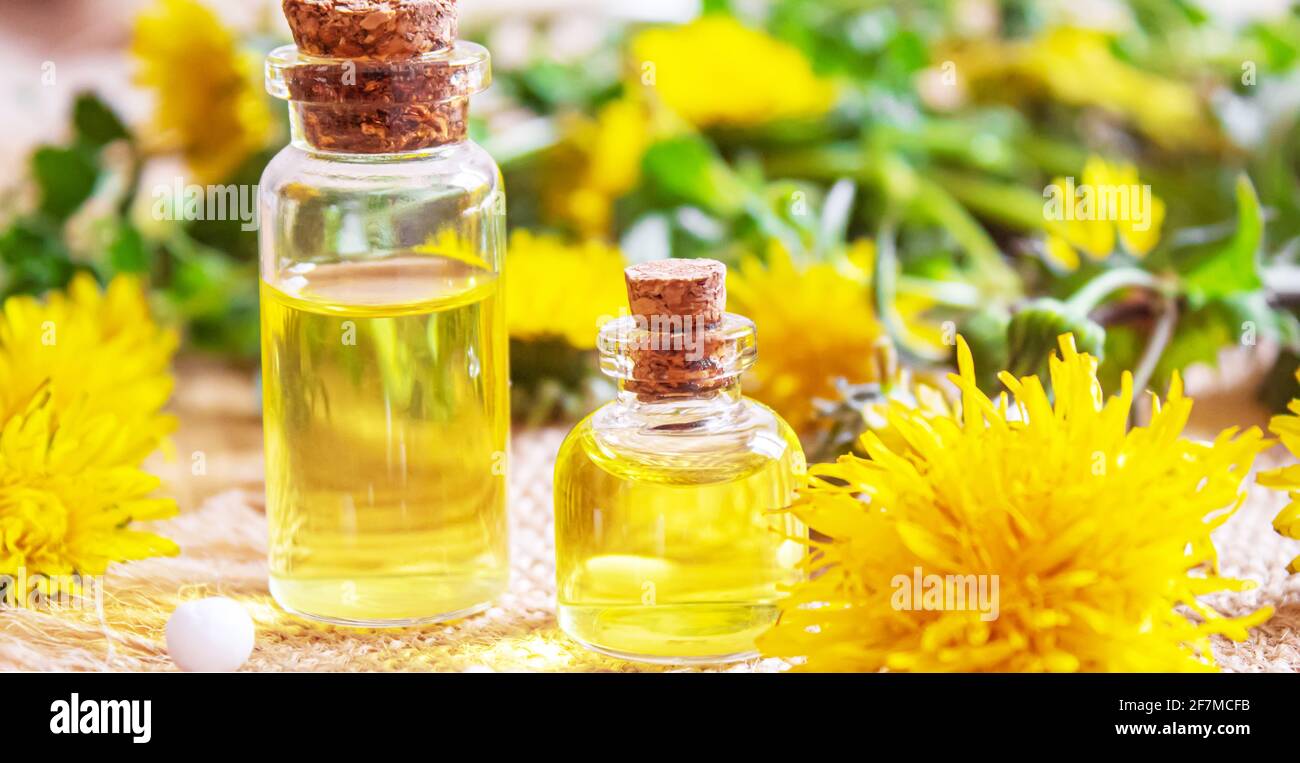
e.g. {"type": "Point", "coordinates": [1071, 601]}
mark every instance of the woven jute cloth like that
{"type": "Point", "coordinates": [222, 533]}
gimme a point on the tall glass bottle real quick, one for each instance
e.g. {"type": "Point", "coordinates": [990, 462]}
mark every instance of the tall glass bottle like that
{"type": "Point", "coordinates": [671, 540]}
{"type": "Point", "coordinates": [384, 351]}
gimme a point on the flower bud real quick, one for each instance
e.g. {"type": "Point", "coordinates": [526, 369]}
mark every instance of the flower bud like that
{"type": "Point", "coordinates": [985, 332]}
{"type": "Point", "coordinates": [1033, 332]}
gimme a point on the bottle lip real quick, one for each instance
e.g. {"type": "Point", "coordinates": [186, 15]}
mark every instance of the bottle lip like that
{"type": "Point", "coordinates": [450, 74]}
{"type": "Point", "coordinates": [631, 345]}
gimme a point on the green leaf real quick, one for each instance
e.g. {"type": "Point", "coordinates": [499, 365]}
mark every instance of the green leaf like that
{"type": "Point", "coordinates": [1233, 267]}
{"type": "Point", "coordinates": [1192, 11]}
{"type": "Point", "coordinates": [215, 295]}
{"type": "Point", "coordinates": [33, 258]}
{"type": "Point", "coordinates": [1278, 44]}
{"type": "Point", "coordinates": [1204, 331]}
{"type": "Point", "coordinates": [66, 178]}
{"type": "Point", "coordinates": [686, 169]}
{"type": "Point", "coordinates": [548, 86]}
{"type": "Point", "coordinates": [905, 55]}
{"type": "Point", "coordinates": [96, 124]}
{"type": "Point", "coordinates": [128, 253]}
{"type": "Point", "coordinates": [1198, 338]}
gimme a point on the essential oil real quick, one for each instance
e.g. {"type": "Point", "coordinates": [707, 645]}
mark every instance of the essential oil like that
{"type": "Point", "coordinates": [385, 413]}
{"type": "Point", "coordinates": [384, 349]}
{"type": "Point", "coordinates": [672, 539]}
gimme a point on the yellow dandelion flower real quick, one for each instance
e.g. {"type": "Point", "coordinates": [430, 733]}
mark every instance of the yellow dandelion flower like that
{"type": "Point", "coordinates": [208, 102]}
{"type": "Point", "coordinates": [100, 348]}
{"type": "Point", "coordinates": [65, 507]}
{"type": "Point", "coordinates": [557, 289]}
{"type": "Point", "coordinates": [715, 71]}
{"type": "Point", "coordinates": [816, 324]}
{"type": "Point", "coordinates": [83, 377]}
{"type": "Point", "coordinates": [1055, 537]}
{"type": "Point", "coordinates": [1109, 204]}
{"type": "Point", "coordinates": [1287, 521]}
{"type": "Point", "coordinates": [1078, 67]}
{"type": "Point", "coordinates": [599, 162]}
{"type": "Point", "coordinates": [928, 402]}
{"type": "Point", "coordinates": [1139, 230]}
{"type": "Point", "coordinates": [616, 144]}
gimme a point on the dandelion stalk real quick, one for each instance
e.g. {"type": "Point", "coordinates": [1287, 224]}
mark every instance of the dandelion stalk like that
{"type": "Point", "coordinates": [924, 196]}
{"type": "Point", "coordinates": [1156, 344]}
{"type": "Point", "coordinates": [1093, 293]}
{"type": "Point", "coordinates": [1098, 289]}
{"type": "Point", "coordinates": [1005, 202]}
{"type": "Point", "coordinates": [884, 287]}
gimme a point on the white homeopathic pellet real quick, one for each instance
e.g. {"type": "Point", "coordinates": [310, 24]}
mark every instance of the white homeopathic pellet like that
{"type": "Point", "coordinates": [213, 635]}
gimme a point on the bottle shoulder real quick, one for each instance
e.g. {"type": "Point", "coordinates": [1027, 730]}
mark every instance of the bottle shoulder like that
{"type": "Point", "coordinates": [748, 437]}
{"type": "Point", "coordinates": [464, 166]}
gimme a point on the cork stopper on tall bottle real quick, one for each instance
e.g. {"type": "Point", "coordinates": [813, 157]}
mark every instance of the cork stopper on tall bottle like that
{"type": "Point", "coordinates": [376, 76]}
{"type": "Point", "coordinates": [384, 30]}
{"type": "Point", "coordinates": [680, 304]}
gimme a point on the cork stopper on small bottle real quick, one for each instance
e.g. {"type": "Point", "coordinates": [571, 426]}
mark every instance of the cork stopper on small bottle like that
{"type": "Point", "coordinates": [681, 287]}
{"type": "Point", "coordinates": [680, 303]}
{"type": "Point", "coordinates": [379, 85]}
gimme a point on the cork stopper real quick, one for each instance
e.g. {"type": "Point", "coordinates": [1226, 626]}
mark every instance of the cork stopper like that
{"type": "Point", "coordinates": [381, 30]}
{"type": "Point", "coordinates": [680, 304]}
{"type": "Point", "coordinates": [680, 287]}
{"type": "Point", "coordinates": [378, 76]}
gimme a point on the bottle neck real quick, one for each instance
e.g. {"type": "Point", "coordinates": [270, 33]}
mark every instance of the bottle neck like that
{"type": "Point", "coordinates": [677, 370]}
{"type": "Point", "coordinates": [369, 130]}
{"type": "Point", "coordinates": [365, 107]}
{"type": "Point", "coordinates": [679, 409]}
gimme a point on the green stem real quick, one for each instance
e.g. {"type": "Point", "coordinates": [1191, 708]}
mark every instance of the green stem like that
{"type": "Point", "coordinates": [1156, 343]}
{"type": "Point", "coordinates": [1006, 203]}
{"type": "Point", "coordinates": [1108, 282]}
{"type": "Point", "coordinates": [935, 203]}
{"type": "Point", "coordinates": [921, 195]}
{"type": "Point", "coordinates": [827, 163]}
{"type": "Point", "coordinates": [884, 283]}
{"type": "Point", "coordinates": [135, 171]}
{"type": "Point", "coordinates": [1051, 155]}
{"type": "Point", "coordinates": [948, 293]}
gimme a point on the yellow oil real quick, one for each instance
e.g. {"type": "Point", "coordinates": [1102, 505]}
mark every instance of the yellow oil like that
{"type": "Point", "coordinates": [675, 557]}
{"type": "Point", "coordinates": [386, 419]}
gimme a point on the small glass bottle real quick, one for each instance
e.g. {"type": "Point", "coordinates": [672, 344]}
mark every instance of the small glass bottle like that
{"type": "Point", "coordinates": [384, 348]}
{"type": "Point", "coordinates": [672, 542]}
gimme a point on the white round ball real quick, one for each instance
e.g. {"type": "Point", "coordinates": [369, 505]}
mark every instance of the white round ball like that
{"type": "Point", "coordinates": [213, 635]}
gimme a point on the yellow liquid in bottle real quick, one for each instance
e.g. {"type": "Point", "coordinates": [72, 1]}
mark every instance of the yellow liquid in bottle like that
{"type": "Point", "coordinates": [675, 557]}
{"type": "Point", "coordinates": [386, 418]}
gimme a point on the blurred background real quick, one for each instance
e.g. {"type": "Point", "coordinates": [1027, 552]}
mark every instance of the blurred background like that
{"type": "Point", "coordinates": [874, 174]}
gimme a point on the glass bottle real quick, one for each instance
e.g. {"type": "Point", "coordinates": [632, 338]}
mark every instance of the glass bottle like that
{"type": "Point", "coordinates": [672, 545]}
{"type": "Point", "coordinates": [384, 349]}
